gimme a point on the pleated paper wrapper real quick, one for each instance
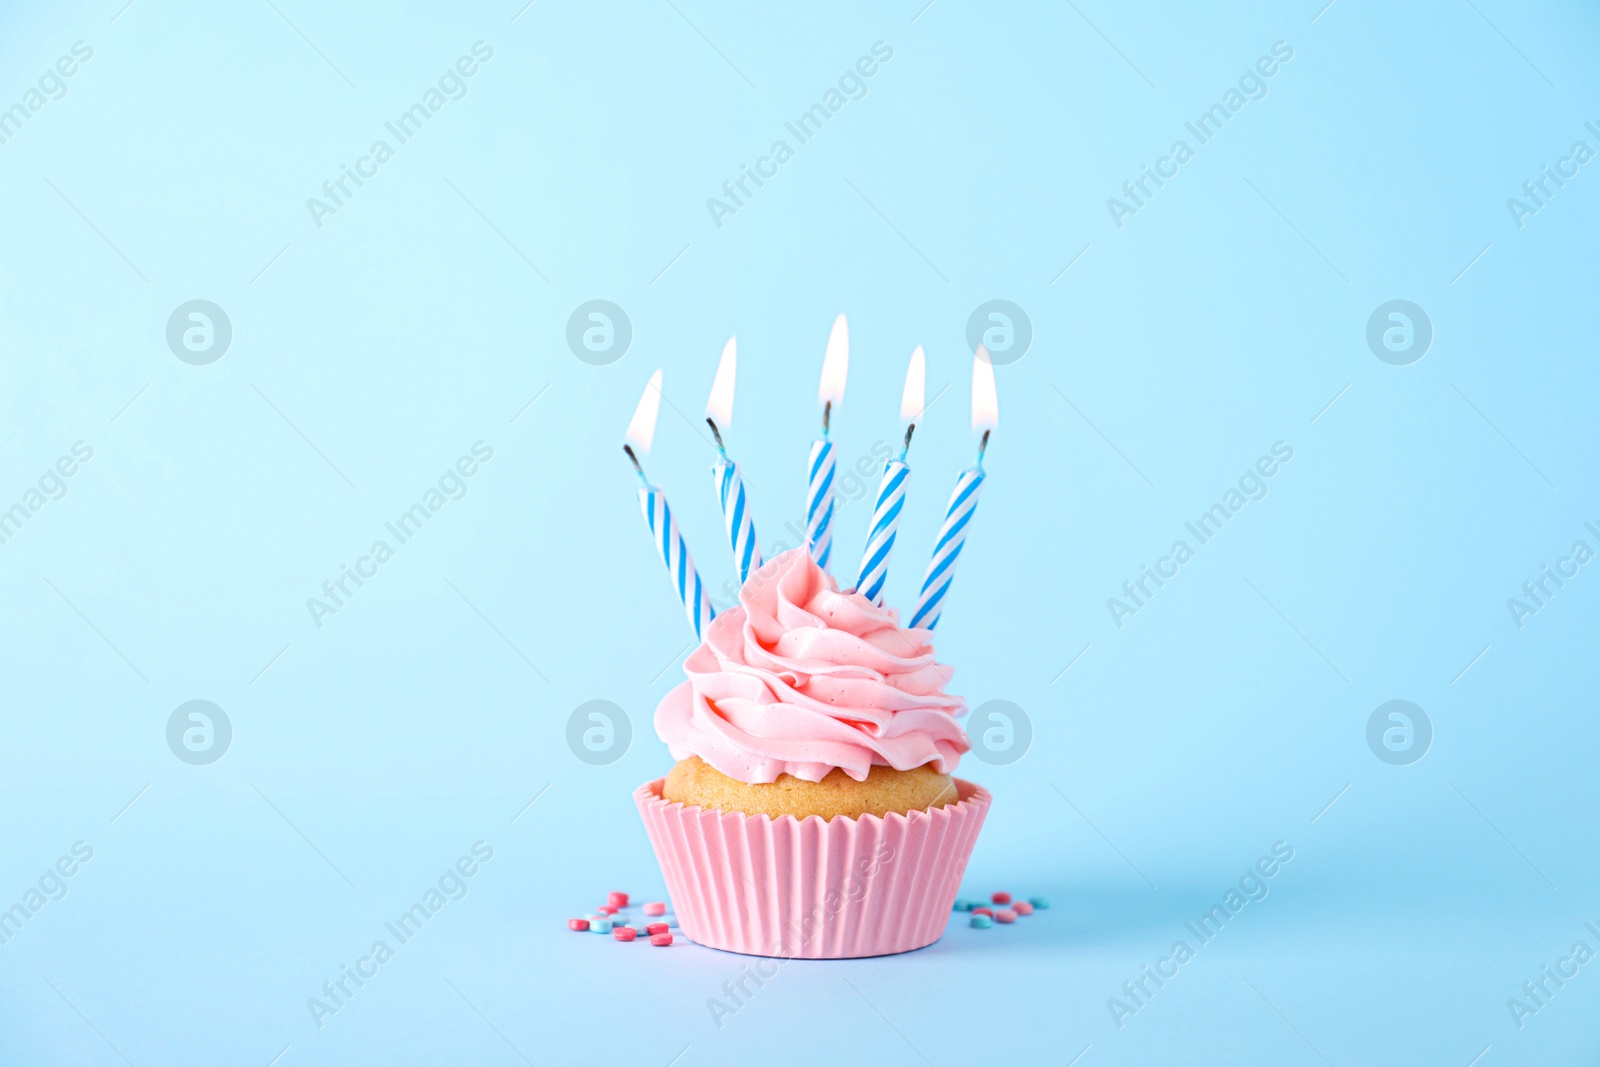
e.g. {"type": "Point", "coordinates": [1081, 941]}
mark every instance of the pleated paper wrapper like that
{"type": "Point", "coordinates": [809, 888]}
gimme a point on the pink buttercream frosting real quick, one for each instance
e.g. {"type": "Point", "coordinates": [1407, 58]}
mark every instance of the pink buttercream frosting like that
{"type": "Point", "coordinates": [801, 678]}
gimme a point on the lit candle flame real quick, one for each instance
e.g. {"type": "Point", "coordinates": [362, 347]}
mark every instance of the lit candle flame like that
{"type": "Point", "coordinates": [836, 363]}
{"type": "Point", "coordinates": [642, 427]}
{"type": "Point", "coordinates": [916, 386]}
{"type": "Point", "coordinates": [985, 403]}
{"type": "Point", "coordinates": [719, 406]}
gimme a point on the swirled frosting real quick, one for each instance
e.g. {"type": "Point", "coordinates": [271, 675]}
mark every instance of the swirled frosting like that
{"type": "Point", "coordinates": [801, 678]}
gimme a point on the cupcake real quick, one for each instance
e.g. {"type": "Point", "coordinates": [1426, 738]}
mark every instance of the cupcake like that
{"type": "Point", "coordinates": [812, 812]}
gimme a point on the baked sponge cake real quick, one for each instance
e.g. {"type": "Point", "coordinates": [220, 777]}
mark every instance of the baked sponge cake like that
{"type": "Point", "coordinates": [694, 782]}
{"type": "Point", "coordinates": [814, 790]}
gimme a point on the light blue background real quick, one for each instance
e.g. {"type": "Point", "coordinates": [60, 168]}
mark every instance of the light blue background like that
{"type": "Point", "coordinates": [370, 353]}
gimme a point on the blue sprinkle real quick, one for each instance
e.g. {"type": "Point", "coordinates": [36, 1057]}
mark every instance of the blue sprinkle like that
{"type": "Point", "coordinates": [963, 905]}
{"type": "Point", "coordinates": [601, 926]}
{"type": "Point", "coordinates": [1039, 903]}
{"type": "Point", "coordinates": [982, 922]}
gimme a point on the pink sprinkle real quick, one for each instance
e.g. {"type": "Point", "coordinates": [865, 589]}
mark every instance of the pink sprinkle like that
{"type": "Point", "coordinates": [609, 909]}
{"type": "Point", "coordinates": [1001, 898]}
{"type": "Point", "coordinates": [983, 911]}
{"type": "Point", "coordinates": [1005, 915]}
{"type": "Point", "coordinates": [624, 933]}
{"type": "Point", "coordinates": [656, 928]}
{"type": "Point", "coordinates": [660, 940]}
{"type": "Point", "coordinates": [1022, 907]}
{"type": "Point", "coordinates": [655, 907]}
{"type": "Point", "coordinates": [619, 899]}
{"type": "Point", "coordinates": [579, 925]}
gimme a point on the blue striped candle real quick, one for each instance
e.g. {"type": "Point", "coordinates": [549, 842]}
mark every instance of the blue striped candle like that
{"type": "Point", "coordinates": [736, 514]}
{"type": "Point", "coordinates": [819, 502]}
{"type": "Point", "coordinates": [819, 483]}
{"type": "Point", "coordinates": [892, 490]}
{"type": "Point", "coordinates": [952, 536]}
{"type": "Point", "coordinates": [963, 502]}
{"type": "Point", "coordinates": [885, 520]}
{"type": "Point", "coordinates": [663, 527]}
{"type": "Point", "coordinates": [675, 554]}
{"type": "Point", "coordinates": [725, 472]}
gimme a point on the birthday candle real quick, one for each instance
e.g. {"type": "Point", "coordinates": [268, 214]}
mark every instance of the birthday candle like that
{"type": "Point", "coordinates": [819, 484]}
{"type": "Point", "coordinates": [963, 502]}
{"type": "Point", "coordinates": [892, 490]}
{"type": "Point", "coordinates": [663, 527]}
{"type": "Point", "coordinates": [725, 472]}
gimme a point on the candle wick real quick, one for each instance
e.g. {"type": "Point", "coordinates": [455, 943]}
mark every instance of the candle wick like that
{"type": "Point", "coordinates": [906, 445]}
{"type": "Point", "coordinates": [983, 446]}
{"type": "Point", "coordinates": [718, 435]}
{"type": "Point", "coordinates": [827, 414]}
{"type": "Point", "coordinates": [635, 461]}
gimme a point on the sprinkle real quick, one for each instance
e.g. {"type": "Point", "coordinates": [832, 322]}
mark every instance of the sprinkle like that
{"type": "Point", "coordinates": [1039, 903]}
{"type": "Point", "coordinates": [1001, 898]}
{"type": "Point", "coordinates": [619, 899]}
{"type": "Point", "coordinates": [656, 928]}
{"type": "Point", "coordinates": [660, 940]}
{"type": "Point", "coordinates": [983, 911]}
{"type": "Point", "coordinates": [601, 926]}
{"type": "Point", "coordinates": [963, 905]}
{"type": "Point", "coordinates": [1022, 907]}
{"type": "Point", "coordinates": [1005, 915]}
{"type": "Point", "coordinates": [655, 907]}
{"type": "Point", "coordinates": [624, 933]}
{"type": "Point", "coordinates": [579, 925]}
{"type": "Point", "coordinates": [608, 909]}
{"type": "Point", "coordinates": [981, 921]}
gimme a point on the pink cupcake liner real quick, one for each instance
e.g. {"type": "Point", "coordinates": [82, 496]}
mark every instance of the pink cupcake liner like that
{"type": "Point", "coordinates": [809, 888]}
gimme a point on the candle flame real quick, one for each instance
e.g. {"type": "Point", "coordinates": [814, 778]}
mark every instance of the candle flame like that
{"type": "Point", "coordinates": [836, 363]}
{"type": "Point", "coordinates": [985, 402]}
{"type": "Point", "coordinates": [642, 427]}
{"type": "Point", "coordinates": [916, 385]}
{"type": "Point", "coordinates": [719, 406]}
